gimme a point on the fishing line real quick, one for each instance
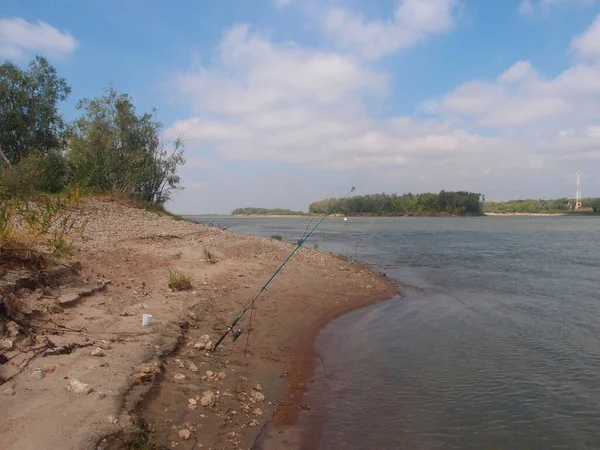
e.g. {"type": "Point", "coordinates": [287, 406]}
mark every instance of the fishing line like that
{"type": "Point", "coordinates": [238, 332]}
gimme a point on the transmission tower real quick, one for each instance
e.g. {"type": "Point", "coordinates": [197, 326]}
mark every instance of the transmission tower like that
{"type": "Point", "coordinates": [578, 194]}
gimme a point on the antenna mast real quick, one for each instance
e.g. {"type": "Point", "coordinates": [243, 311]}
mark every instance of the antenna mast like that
{"type": "Point", "coordinates": [578, 194]}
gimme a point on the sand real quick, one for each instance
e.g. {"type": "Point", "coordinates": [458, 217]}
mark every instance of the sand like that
{"type": "Point", "coordinates": [154, 379]}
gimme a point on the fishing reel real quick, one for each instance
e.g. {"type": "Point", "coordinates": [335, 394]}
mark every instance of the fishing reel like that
{"type": "Point", "coordinates": [237, 334]}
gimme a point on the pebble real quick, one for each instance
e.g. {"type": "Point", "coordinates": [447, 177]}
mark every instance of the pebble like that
{"type": "Point", "coordinates": [184, 434]}
{"type": "Point", "coordinates": [113, 420]}
{"type": "Point", "coordinates": [147, 368]}
{"type": "Point", "coordinates": [257, 396]}
{"type": "Point", "coordinates": [203, 342]}
{"type": "Point", "coordinates": [100, 396]}
{"type": "Point", "coordinates": [104, 345]}
{"type": "Point", "coordinates": [6, 344]}
{"type": "Point", "coordinates": [179, 376]}
{"type": "Point", "coordinates": [192, 403]}
{"type": "Point", "coordinates": [48, 368]}
{"type": "Point", "coordinates": [179, 363]}
{"type": "Point", "coordinates": [258, 387]}
{"type": "Point", "coordinates": [98, 352]}
{"type": "Point", "coordinates": [38, 374]}
{"type": "Point", "coordinates": [208, 399]}
{"type": "Point", "coordinates": [9, 391]}
{"type": "Point", "coordinates": [209, 374]}
{"type": "Point", "coordinates": [221, 375]}
{"type": "Point", "coordinates": [78, 387]}
{"type": "Point", "coordinates": [253, 423]}
{"type": "Point", "coordinates": [257, 412]}
{"type": "Point", "coordinates": [193, 367]}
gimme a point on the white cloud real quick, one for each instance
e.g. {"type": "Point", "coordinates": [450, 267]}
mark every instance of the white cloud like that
{"type": "Point", "coordinates": [20, 39]}
{"type": "Point", "coordinates": [282, 3]}
{"type": "Point", "coordinates": [413, 21]}
{"type": "Point", "coordinates": [533, 7]}
{"type": "Point", "coordinates": [587, 45]}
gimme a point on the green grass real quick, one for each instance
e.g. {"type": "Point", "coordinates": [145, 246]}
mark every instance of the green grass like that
{"type": "Point", "coordinates": [179, 281]}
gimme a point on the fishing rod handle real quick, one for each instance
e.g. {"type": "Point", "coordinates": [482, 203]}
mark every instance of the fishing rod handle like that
{"type": "Point", "coordinates": [222, 337]}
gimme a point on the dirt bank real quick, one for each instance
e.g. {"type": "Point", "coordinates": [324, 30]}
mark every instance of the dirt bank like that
{"type": "Point", "coordinates": [88, 330]}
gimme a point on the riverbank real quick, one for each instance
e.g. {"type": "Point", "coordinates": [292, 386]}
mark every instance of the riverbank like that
{"type": "Point", "coordinates": [90, 376]}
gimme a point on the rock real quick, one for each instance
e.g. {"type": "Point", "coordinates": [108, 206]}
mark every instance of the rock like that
{"type": "Point", "coordinates": [6, 344]}
{"type": "Point", "coordinates": [193, 367]}
{"type": "Point", "coordinates": [145, 378]}
{"type": "Point", "coordinates": [179, 376]}
{"type": "Point", "coordinates": [184, 434]}
{"type": "Point", "coordinates": [209, 374]}
{"type": "Point", "coordinates": [179, 363]}
{"type": "Point", "coordinates": [257, 412]}
{"type": "Point", "coordinates": [48, 368]}
{"type": "Point", "coordinates": [192, 403]}
{"type": "Point", "coordinates": [202, 342]}
{"type": "Point", "coordinates": [38, 374]}
{"type": "Point", "coordinates": [100, 396]}
{"type": "Point", "coordinates": [78, 387]}
{"type": "Point", "coordinates": [147, 368]}
{"type": "Point", "coordinates": [208, 399]}
{"type": "Point", "coordinates": [232, 435]}
{"type": "Point", "coordinates": [113, 420]}
{"type": "Point", "coordinates": [258, 387]}
{"type": "Point", "coordinates": [98, 352]}
{"type": "Point", "coordinates": [245, 409]}
{"type": "Point", "coordinates": [104, 345]}
{"type": "Point", "coordinates": [257, 396]}
{"type": "Point", "coordinates": [9, 391]}
{"type": "Point", "coordinates": [253, 423]}
{"type": "Point", "coordinates": [208, 345]}
{"type": "Point", "coordinates": [221, 375]}
{"type": "Point", "coordinates": [13, 329]}
{"type": "Point", "coordinates": [125, 313]}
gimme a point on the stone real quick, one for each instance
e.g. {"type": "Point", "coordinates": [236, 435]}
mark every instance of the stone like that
{"type": "Point", "coordinates": [13, 329]}
{"type": "Point", "coordinates": [38, 374]}
{"type": "Point", "coordinates": [147, 368]}
{"type": "Point", "coordinates": [179, 363]}
{"type": "Point", "coordinates": [48, 368]}
{"type": "Point", "coordinates": [193, 367]}
{"type": "Point", "coordinates": [257, 412]}
{"type": "Point", "coordinates": [202, 342]}
{"type": "Point", "coordinates": [98, 352]}
{"type": "Point", "coordinates": [258, 387]}
{"type": "Point", "coordinates": [9, 391]}
{"type": "Point", "coordinates": [245, 409]}
{"type": "Point", "coordinates": [221, 375]}
{"type": "Point", "coordinates": [253, 423]}
{"type": "Point", "coordinates": [179, 376]}
{"type": "Point", "coordinates": [208, 399]}
{"type": "Point", "coordinates": [184, 434]}
{"type": "Point", "coordinates": [79, 388]}
{"type": "Point", "coordinates": [257, 396]}
{"type": "Point", "coordinates": [6, 344]}
{"type": "Point", "coordinates": [113, 420]}
{"type": "Point", "coordinates": [209, 374]}
{"type": "Point", "coordinates": [100, 396]}
{"type": "Point", "coordinates": [104, 345]}
{"type": "Point", "coordinates": [192, 403]}
{"type": "Point", "coordinates": [208, 345]}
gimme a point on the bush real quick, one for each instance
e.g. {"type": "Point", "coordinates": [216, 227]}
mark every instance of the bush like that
{"type": "Point", "coordinates": [277, 237]}
{"type": "Point", "coordinates": [21, 179]}
{"type": "Point", "coordinates": [179, 281]}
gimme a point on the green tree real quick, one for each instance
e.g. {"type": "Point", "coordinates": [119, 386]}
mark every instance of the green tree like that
{"type": "Point", "coordinates": [113, 149]}
{"type": "Point", "coordinates": [29, 118]}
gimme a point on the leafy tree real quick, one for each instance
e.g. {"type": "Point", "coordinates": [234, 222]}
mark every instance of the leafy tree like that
{"type": "Point", "coordinates": [113, 149]}
{"type": "Point", "coordinates": [29, 118]}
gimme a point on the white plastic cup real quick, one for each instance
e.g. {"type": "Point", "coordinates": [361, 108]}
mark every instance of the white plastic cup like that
{"type": "Point", "coordinates": [146, 319]}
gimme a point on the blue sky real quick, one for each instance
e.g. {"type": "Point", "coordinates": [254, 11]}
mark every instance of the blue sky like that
{"type": "Point", "coordinates": [283, 102]}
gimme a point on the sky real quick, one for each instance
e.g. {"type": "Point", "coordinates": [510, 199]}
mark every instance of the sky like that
{"type": "Point", "coordinates": [284, 102]}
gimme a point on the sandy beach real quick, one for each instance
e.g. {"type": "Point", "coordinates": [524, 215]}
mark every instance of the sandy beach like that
{"type": "Point", "coordinates": [82, 372]}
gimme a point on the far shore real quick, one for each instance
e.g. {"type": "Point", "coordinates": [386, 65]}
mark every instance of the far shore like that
{"type": "Point", "coordinates": [527, 214]}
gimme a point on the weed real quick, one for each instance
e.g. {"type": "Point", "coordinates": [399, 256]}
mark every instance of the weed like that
{"type": "Point", "coordinates": [277, 237]}
{"type": "Point", "coordinates": [210, 257]}
{"type": "Point", "coordinates": [179, 281]}
{"type": "Point", "coordinates": [316, 246]}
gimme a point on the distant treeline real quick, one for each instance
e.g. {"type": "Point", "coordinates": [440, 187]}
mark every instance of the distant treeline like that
{"type": "Point", "coordinates": [445, 203]}
{"type": "Point", "coordinates": [265, 212]}
{"type": "Point", "coordinates": [561, 205]}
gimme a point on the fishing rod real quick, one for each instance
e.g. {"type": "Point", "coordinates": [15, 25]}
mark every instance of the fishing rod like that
{"type": "Point", "coordinates": [238, 332]}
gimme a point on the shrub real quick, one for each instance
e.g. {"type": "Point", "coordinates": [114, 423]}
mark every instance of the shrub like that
{"type": "Point", "coordinates": [277, 237]}
{"type": "Point", "coordinates": [179, 281]}
{"type": "Point", "coordinates": [21, 179]}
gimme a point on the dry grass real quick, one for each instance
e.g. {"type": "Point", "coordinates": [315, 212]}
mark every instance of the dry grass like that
{"type": "Point", "coordinates": [179, 281]}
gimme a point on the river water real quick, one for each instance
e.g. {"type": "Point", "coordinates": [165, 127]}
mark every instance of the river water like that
{"type": "Point", "coordinates": [495, 344]}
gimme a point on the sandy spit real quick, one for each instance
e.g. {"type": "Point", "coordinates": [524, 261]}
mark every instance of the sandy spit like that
{"type": "Point", "coordinates": [160, 379]}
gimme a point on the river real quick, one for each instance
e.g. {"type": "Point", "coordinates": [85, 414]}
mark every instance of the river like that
{"type": "Point", "coordinates": [495, 343]}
